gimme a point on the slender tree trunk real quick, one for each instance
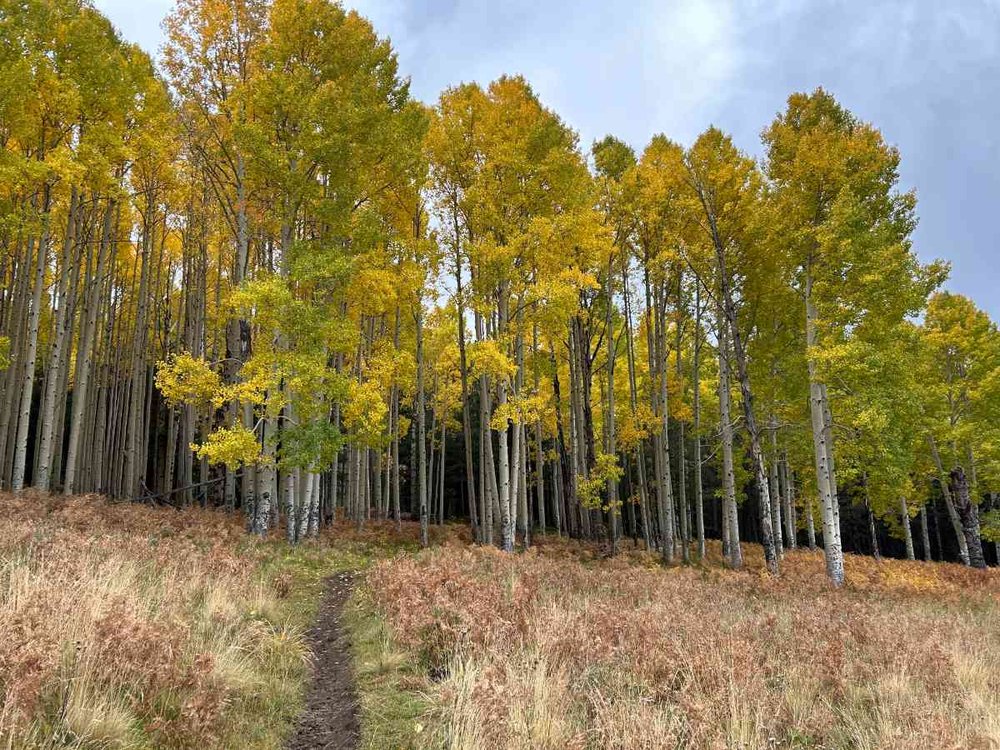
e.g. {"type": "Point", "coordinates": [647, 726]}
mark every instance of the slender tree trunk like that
{"type": "Point", "coordinates": [634, 403]}
{"type": "Point", "coordinates": [949, 504]}
{"type": "Point", "coordinates": [444, 443]}
{"type": "Point", "coordinates": [421, 429]}
{"type": "Point", "coordinates": [876, 552]}
{"type": "Point", "coordinates": [514, 491]}
{"type": "Point", "coordinates": [305, 489]}
{"type": "Point", "coordinates": [313, 527]}
{"type": "Point", "coordinates": [262, 514]}
{"type": "Point", "coordinates": [788, 498]}
{"type": "Point", "coordinates": [522, 486]}
{"type": "Point", "coordinates": [431, 476]}
{"type": "Point", "coordinates": [730, 517]}
{"type": "Point", "coordinates": [238, 330]}
{"type": "Point", "coordinates": [969, 515]}
{"type": "Point", "coordinates": [470, 477]}
{"type": "Point", "coordinates": [31, 353]}
{"type": "Point", "coordinates": [12, 379]}
{"type": "Point", "coordinates": [486, 496]}
{"type": "Point", "coordinates": [666, 497]}
{"type": "Point", "coordinates": [395, 463]}
{"type": "Point", "coordinates": [518, 497]}
{"type": "Point", "coordinates": [381, 501]}
{"type": "Point", "coordinates": [756, 451]}
{"type": "Point", "coordinates": [612, 447]}
{"type": "Point", "coordinates": [503, 453]}
{"type": "Point", "coordinates": [558, 496]}
{"type": "Point", "coordinates": [135, 424]}
{"type": "Point", "coordinates": [560, 502]}
{"type": "Point", "coordinates": [290, 528]}
{"type": "Point", "coordinates": [775, 487]}
{"type": "Point", "coordinates": [395, 434]}
{"type": "Point", "coordinates": [58, 359]}
{"type": "Point", "coordinates": [699, 490]}
{"type": "Point", "coordinates": [575, 470]}
{"type": "Point", "coordinates": [540, 476]}
{"type": "Point", "coordinates": [681, 445]}
{"type": "Point", "coordinates": [925, 538]}
{"type": "Point", "coordinates": [825, 478]}
{"type": "Point", "coordinates": [904, 520]}
{"type": "Point", "coordinates": [85, 349]}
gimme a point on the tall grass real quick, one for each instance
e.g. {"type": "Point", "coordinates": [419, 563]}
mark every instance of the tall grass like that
{"type": "Point", "coordinates": [131, 627]}
{"type": "Point", "coordinates": [559, 649]}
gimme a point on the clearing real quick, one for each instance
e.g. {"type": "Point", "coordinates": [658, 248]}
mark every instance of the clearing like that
{"type": "Point", "coordinates": [137, 627]}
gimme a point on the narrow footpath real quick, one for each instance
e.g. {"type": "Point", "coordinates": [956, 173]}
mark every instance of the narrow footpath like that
{"type": "Point", "coordinates": [329, 719]}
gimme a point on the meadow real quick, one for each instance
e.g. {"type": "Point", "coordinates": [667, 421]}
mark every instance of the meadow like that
{"type": "Point", "coordinates": [561, 648]}
{"type": "Point", "coordinates": [129, 626]}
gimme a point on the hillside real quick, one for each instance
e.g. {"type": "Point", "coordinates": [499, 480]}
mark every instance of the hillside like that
{"type": "Point", "coordinates": [135, 627]}
{"type": "Point", "coordinates": [139, 627]}
{"type": "Point", "coordinates": [556, 649]}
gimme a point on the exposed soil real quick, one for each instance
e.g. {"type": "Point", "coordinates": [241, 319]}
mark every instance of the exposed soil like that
{"type": "Point", "coordinates": [329, 720]}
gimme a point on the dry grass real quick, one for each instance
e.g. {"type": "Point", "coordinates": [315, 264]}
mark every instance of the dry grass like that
{"type": "Point", "coordinates": [557, 648]}
{"type": "Point", "coordinates": [133, 627]}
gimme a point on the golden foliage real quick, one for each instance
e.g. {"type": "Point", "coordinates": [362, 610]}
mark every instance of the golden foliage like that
{"type": "Point", "coordinates": [487, 358]}
{"type": "Point", "coordinates": [231, 446]}
{"type": "Point", "coordinates": [184, 379]}
{"type": "Point", "coordinates": [365, 412]}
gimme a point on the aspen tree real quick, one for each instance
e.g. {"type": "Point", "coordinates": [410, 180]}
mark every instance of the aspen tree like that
{"type": "Point", "coordinates": [840, 215]}
{"type": "Point", "coordinates": [961, 359]}
{"type": "Point", "coordinates": [212, 56]}
{"type": "Point", "coordinates": [726, 187]}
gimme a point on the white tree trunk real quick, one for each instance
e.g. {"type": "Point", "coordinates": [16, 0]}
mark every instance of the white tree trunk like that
{"type": "Point", "coordinates": [925, 537]}
{"type": "Point", "coordinates": [666, 486]}
{"type": "Point", "coordinates": [421, 429]}
{"type": "Point", "coordinates": [290, 511]}
{"type": "Point", "coordinates": [31, 352]}
{"type": "Point", "coordinates": [904, 518]}
{"type": "Point", "coordinates": [775, 485]}
{"type": "Point", "coordinates": [85, 349]}
{"type": "Point", "coordinates": [730, 512]}
{"type": "Point", "coordinates": [503, 454]}
{"type": "Point", "coordinates": [788, 498]}
{"type": "Point", "coordinates": [58, 359]}
{"type": "Point", "coordinates": [949, 504]}
{"type": "Point", "coordinates": [825, 479]}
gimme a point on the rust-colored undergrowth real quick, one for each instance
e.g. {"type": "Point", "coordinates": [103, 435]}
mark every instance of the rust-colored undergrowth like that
{"type": "Point", "coordinates": [562, 648]}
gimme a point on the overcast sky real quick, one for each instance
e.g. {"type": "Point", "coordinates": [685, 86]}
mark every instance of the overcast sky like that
{"type": "Point", "coordinates": [926, 72]}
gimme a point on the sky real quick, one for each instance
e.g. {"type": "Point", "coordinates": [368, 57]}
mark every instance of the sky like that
{"type": "Point", "coordinates": [927, 73]}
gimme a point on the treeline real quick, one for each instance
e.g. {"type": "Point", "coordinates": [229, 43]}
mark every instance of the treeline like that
{"type": "Point", "coordinates": [263, 276]}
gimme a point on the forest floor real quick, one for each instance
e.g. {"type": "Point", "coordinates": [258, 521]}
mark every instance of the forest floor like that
{"type": "Point", "coordinates": [127, 626]}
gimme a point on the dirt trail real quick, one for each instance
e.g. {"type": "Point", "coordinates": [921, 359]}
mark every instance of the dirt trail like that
{"type": "Point", "coordinates": [329, 720]}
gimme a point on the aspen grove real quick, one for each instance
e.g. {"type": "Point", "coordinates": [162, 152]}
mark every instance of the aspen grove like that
{"type": "Point", "coordinates": [260, 275]}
